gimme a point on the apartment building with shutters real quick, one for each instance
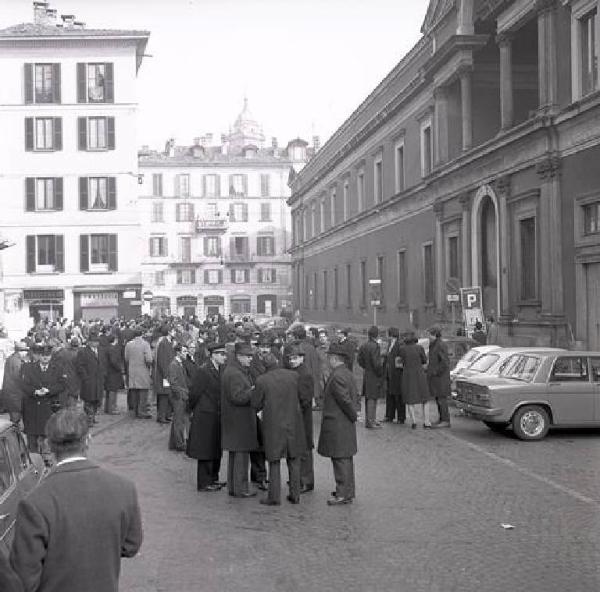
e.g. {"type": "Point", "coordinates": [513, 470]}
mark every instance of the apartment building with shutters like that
{"type": "Point", "coordinates": [69, 179]}
{"type": "Point", "coordinates": [216, 225]}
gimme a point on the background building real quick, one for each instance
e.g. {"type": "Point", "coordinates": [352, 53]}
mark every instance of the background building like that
{"type": "Point", "coordinates": [216, 225]}
{"type": "Point", "coordinates": [474, 159]}
{"type": "Point", "coordinates": [69, 168]}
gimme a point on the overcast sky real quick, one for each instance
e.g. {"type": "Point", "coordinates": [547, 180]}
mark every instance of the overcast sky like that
{"type": "Point", "coordinates": [304, 65]}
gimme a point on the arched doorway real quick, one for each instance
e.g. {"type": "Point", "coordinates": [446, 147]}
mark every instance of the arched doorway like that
{"type": "Point", "coordinates": [485, 232]}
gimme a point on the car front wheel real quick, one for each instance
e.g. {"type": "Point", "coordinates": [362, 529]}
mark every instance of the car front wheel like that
{"type": "Point", "coordinates": [531, 422]}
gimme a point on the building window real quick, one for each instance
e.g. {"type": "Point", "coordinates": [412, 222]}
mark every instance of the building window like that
{"type": "Point", "coordinates": [98, 252]}
{"type": "Point", "coordinates": [267, 276]}
{"type": "Point", "coordinates": [363, 284]}
{"type": "Point", "coordinates": [315, 291]}
{"type": "Point", "coordinates": [212, 246]}
{"type": "Point", "coordinates": [265, 211]}
{"type": "Point", "coordinates": [336, 288]}
{"type": "Point", "coordinates": [528, 250]}
{"type": "Point", "coordinates": [402, 277]}
{"type": "Point", "coordinates": [428, 274]}
{"type": "Point", "coordinates": [426, 149]}
{"type": "Point", "coordinates": [360, 190]}
{"type": "Point", "coordinates": [157, 184]}
{"type": "Point", "coordinates": [238, 212]}
{"type": "Point", "coordinates": [332, 208]}
{"type": "Point", "coordinates": [186, 276]}
{"type": "Point", "coordinates": [43, 194]}
{"type": "Point", "coordinates": [591, 218]}
{"type": "Point", "coordinates": [97, 193]}
{"type": "Point", "coordinates": [240, 276]}
{"type": "Point", "coordinates": [158, 246]}
{"type": "Point", "coordinates": [313, 220]}
{"type": "Point", "coordinates": [380, 274]}
{"type": "Point", "coordinates": [239, 247]}
{"type": "Point", "coordinates": [265, 245]}
{"type": "Point", "coordinates": [211, 186]}
{"type": "Point", "coordinates": [158, 214]}
{"type": "Point", "coordinates": [213, 276]}
{"type": "Point", "coordinates": [95, 83]}
{"type": "Point", "coordinates": [378, 179]}
{"type": "Point", "coordinates": [96, 133]}
{"type": "Point", "coordinates": [185, 249]}
{"type": "Point", "coordinates": [399, 166]}
{"type": "Point", "coordinates": [453, 257]}
{"type": "Point", "coordinates": [159, 278]}
{"type": "Point", "coordinates": [238, 185]}
{"type": "Point", "coordinates": [45, 253]}
{"type": "Point", "coordinates": [589, 54]}
{"type": "Point", "coordinates": [265, 189]}
{"type": "Point", "coordinates": [325, 291]}
{"type": "Point", "coordinates": [184, 212]}
{"type": "Point", "coordinates": [43, 133]}
{"type": "Point", "coordinates": [346, 197]}
{"type": "Point", "coordinates": [322, 216]}
{"type": "Point", "coordinates": [211, 211]}
{"type": "Point", "coordinates": [42, 83]}
{"type": "Point", "coordinates": [182, 185]}
{"type": "Point", "coordinates": [305, 232]}
{"type": "Point", "coordinates": [306, 292]}
{"type": "Point", "coordinates": [349, 285]}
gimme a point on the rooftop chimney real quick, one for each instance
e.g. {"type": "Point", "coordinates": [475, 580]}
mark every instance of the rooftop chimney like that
{"type": "Point", "coordinates": [78, 25]}
{"type": "Point", "coordinates": [274, 143]}
{"type": "Point", "coordinates": [316, 142]}
{"type": "Point", "coordinates": [39, 13]}
{"type": "Point", "coordinates": [51, 16]}
{"type": "Point", "coordinates": [68, 20]}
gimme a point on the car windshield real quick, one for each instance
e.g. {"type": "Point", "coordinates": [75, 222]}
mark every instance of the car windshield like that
{"type": "Point", "coordinates": [521, 367]}
{"type": "Point", "coordinates": [470, 356]}
{"type": "Point", "coordinates": [484, 363]}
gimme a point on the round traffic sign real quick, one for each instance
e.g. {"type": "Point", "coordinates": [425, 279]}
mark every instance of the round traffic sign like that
{"type": "Point", "coordinates": [453, 285]}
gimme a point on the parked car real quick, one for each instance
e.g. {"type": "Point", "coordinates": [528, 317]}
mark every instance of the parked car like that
{"type": "Point", "coordinates": [19, 476]}
{"type": "Point", "coordinates": [534, 391]}
{"type": "Point", "coordinates": [468, 359]}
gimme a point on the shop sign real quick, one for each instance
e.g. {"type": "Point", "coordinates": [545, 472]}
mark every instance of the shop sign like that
{"type": "Point", "coordinates": [99, 299]}
{"type": "Point", "coordinates": [129, 294]}
{"type": "Point", "coordinates": [46, 295]}
{"type": "Point", "coordinates": [471, 300]}
{"type": "Point", "coordinates": [214, 300]}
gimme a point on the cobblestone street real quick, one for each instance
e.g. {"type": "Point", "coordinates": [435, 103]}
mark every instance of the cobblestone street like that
{"type": "Point", "coordinates": [428, 516]}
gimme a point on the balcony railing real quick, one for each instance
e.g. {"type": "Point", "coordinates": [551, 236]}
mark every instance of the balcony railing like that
{"type": "Point", "coordinates": [234, 258]}
{"type": "Point", "coordinates": [211, 225]}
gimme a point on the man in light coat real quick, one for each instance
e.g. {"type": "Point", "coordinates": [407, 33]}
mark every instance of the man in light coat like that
{"type": "Point", "coordinates": [138, 364]}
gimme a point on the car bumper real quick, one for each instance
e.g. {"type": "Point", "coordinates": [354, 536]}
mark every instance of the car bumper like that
{"type": "Point", "coordinates": [479, 411]}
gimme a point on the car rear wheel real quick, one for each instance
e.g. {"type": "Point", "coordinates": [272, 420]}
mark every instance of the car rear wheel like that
{"type": "Point", "coordinates": [496, 427]}
{"type": "Point", "coordinates": [531, 422]}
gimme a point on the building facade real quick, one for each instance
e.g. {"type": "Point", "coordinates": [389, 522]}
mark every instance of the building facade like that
{"type": "Point", "coordinates": [471, 164]}
{"type": "Point", "coordinates": [69, 168]}
{"type": "Point", "coordinates": [216, 225]}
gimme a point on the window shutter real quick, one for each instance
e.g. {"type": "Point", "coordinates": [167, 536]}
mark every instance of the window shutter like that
{"type": "Point", "coordinates": [56, 83]}
{"type": "Point", "coordinates": [57, 129]}
{"type": "Point", "coordinates": [273, 276]}
{"type": "Point", "coordinates": [110, 131]}
{"type": "Point", "coordinates": [83, 193]}
{"type": "Point", "coordinates": [231, 187]}
{"type": "Point", "coordinates": [259, 251]}
{"type": "Point", "coordinates": [29, 134]}
{"type": "Point", "coordinates": [206, 276]}
{"type": "Point", "coordinates": [112, 252]}
{"type": "Point", "coordinates": [231, 246]}
{"type": "Point", "coordinates": [191, 211]}
{"type": "Point", "coordinates": [84, 252]}
{"type": "Point", "coordinates": [193, 276]}
{"type": "Point", "coordinates": [28, 80]}
{"type": "Point", "coordinates": [246, 276]}
{"type": "Point", "coordinates": [177, 187]}
{"type": "Point", "coordinates": [58, 193]}
{"type": "Point", "coordinates": [30, 248]}
{"type": "Point", "coordinates": [203, 186]}
{"type": "Point", "coordinates": [82, 133]}
{"type": "Point", "coordinates": [260, 276]}
{"type": "Point", "coordinates": [59, 263]}
{"type": "Point", "coordinates": [112, 193]}
{"type": "Point", "coordinates": [178, 276]}
{"type": "Point", "coordinates": [232, 276]}
{"type": "Point", "coordinates": [245, 184]}
{"type": "Point", "coordinates": [30, 194]}
{"type": "Point", "coordinates": [217, 185]}
{"type": "Point", "coordinates": [245, 212]}
{"type": "Point", "coordinates": [109, 92]}
{"type": "Point", "coordinates": [164, 251]}
{"type": "Point", "coordinates": [150, 247]}
{"type": "Point", "coordinates": [177, 212]}
{"type": "Point", "coordinates": [231, 213]}
{"type": "Point", "coordinates": [81, 84]}
{"type": "Point", "coordinates": [219, 246]}
{"type": "Point", "coordinates": [220, 276]}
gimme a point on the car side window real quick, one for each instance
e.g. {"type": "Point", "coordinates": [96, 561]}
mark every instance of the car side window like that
{"type": "Point", "coordinates": [595, 366]}
{"type": "Point", "coordinates": [570, 369]}
{"type": "Point", "coordinates": [6, 475]}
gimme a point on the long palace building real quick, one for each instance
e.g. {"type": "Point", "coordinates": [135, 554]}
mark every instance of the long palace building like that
{"type": "Point", "coordinates": [476, 161]}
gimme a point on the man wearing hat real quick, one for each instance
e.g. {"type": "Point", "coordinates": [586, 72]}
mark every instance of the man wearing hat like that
{"type": "Point", "coordinates": [90, 366]}
{"type": "Point", "coordinates": [204, 442]}
{"type": "Point", "coordinates": [238, 419]}
{"type": "Point", "coordinates": [138, 365]}
{"type": "Point", "coordinates": [348, 345]}
{"type": "Point", "coordinates": [12, 385]}
{"type": "Point", "coordinates": [43, 385]}
{"type": "Point", "coordinates": [337, 439]}
{"type": "Point", "coordinates": [71, 532]}
{"type": "Point", "coordinates": [438, 375]}
{"type": "Point", "coordinates": [163, 355]}
{"type": "Point", "coordinates": [371, 361]}
{"type": "Point", "coordinates": [178, 397]}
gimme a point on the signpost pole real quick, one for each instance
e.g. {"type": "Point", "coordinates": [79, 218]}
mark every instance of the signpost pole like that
{"type": "Point", "coordinates": [375, 316]}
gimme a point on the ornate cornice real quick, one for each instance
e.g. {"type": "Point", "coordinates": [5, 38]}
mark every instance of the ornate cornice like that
{"type": "Point", "coordinates": [544, 5]}
{"type": "Point", "coordinates": [549, 167]}
{"type": "Point", "coordinates": [503, 185]}
{"type": "Point", "coordinates": [465, 201]}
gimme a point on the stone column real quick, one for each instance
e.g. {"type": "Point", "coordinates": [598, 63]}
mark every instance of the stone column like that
{"type": "Point", "coordinates": [466, 108]}
{"type": "Point", "coordinates": [465, 18]}
{"type": "Point", "coordinates": [506, 81]}
{"type": "Point", "coordinates": [550, 280]}
{"type": "Point", "coordinates": [503, 193]}
{"type": "Point", "coordinates": [465, 233]}
{"type": "Point", "coordinates": [547, 55]}
{"type": "Point", "coordinates": [438, 209]}
{"type": "Point", "coordinates": [441, 124]}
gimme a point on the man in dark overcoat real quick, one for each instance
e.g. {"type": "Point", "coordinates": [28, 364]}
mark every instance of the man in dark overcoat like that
{"type": "Point", "coordinates": [394, 404]}
{"type": "Point", "coordinates": [238, 419]}
{"type": "Point", "coordinates": [371, 361]}
{"type": "Point", "coordinates": [337, 439]}
{"type": "Point", "coordinates": [72, 530]}
{"type": "Point", "coordinates": [178, 397]}
{"type": "Point", "coordinates": [113, 377]}
{"type": "Point", "coordinates": [43, 385]}
{"type": "Point", "coordinates": [91, 367]}
{"type": "Point", "coordinates": [12, 384]}
{"type": "Point", "coordinates": [349, 346]}
{"type": "Point", "coordinates": [276, 395]}
{"type": "Point", "coordinates": [67, 356]}
{"type": "Point", "coordinates": [162, 358]}
{"type": "Point", "coordinates": [204, 442]}
{"type": "Point", "coordinates": [293, 358]}
{"type": "Point", "coordinates": [311, 358]}
{"type": "Point", "coordinates": [438, 375]}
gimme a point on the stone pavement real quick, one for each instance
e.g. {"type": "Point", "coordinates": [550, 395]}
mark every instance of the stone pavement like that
{"type": "Point", "coordinates": [428, 516]}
